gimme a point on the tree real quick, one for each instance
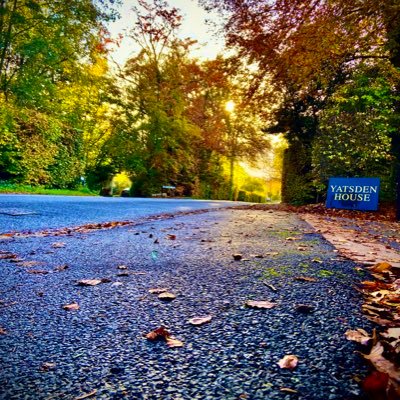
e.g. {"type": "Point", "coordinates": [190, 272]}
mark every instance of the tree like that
{"type": "Point", "coordinates": [49, 51]}
{"type": "Point", "coordinates": [355, 130]}
{"type": "Point", "coordinates": [309, 47]}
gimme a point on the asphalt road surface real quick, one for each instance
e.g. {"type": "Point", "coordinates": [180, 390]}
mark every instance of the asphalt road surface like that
{"type": "Point", "coordinates": [35, 212]}
{"type": "Point", "coordinates": [98, 350]}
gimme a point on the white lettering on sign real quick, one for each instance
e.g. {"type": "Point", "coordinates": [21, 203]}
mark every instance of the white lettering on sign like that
{"type": "Point", "coordinates": [352, 196]}
{"type": "Point", "coordinates": [353, 193]}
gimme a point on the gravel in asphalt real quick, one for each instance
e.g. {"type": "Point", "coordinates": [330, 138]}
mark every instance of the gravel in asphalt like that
{"type": "Point", "coordinates": [47, 352]}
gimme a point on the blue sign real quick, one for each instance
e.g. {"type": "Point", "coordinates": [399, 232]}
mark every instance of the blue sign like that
{"type": "Point", "coordinates": [353, 193]}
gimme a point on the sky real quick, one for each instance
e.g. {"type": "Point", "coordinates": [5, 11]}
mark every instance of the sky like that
{"type": "Point", "coordinates": [193, 26]}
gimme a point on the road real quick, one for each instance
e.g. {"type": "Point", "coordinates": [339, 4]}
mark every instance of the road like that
{"type": "Point", "coordinates": [35, 212]}
{"type": "Point", "coordinates": [98, 349]}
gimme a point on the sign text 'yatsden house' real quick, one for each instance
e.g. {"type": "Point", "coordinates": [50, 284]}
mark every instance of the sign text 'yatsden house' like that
{"type": "Point", "coordinates": [353, 193]}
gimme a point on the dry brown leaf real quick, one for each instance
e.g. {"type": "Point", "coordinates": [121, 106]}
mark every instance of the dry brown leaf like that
{"type": "Point", "coordinates": [382, 321]}
{"type": "Point", "coordinates": [170, 237]}
{"type": "Point", "coordinates": [46, 366]}
{"type": "Point", "coordinates": [2, 331]}
{"type": "Point", "coordinates": [61, 268]}
{"type": "Point", "coordinates": [37, 272]}
{"type": "Point", "coordinates": [358, 335]}
{"type": "Point", "coordinates": [167, 296]}
{"type": "Point", "coordinates": [373, 285]}
{"type": "Point", "coordinates": [288, 390]}
{"type": "Point", "coordinates": [85, 396]}
{"type": "Point", "coordinates": [305, 279]}
{"type": "Point", "coordinates": [173, 342]}
{"type": "Point", "coordinates": [29, 264]}
{"type": "Point", "coordinates": [71, 307]}
{"type": "Point", "coordinates": [200, 320]}
{"type": "Point", "coordinates": [260, 304]}
{"type": "Point", "coordinates": [158, 333]}
{"type": "Point", "coordinates": [89, 282]}
{"type": "Point", "coordinates": [302, 248]}
{"type": "Point", "coordinates": [380, 267]}
{"type": "Point", "coordinates": [380, 293]}
{"type": "Point", "coordinates": [58, 245]}
{"type": "Point", "coordinates": [158, 290]}
{"type": "Point", "coordinates": [8, 256]}
{"type": "Point", "coordinates": [289, 361]}
{"type": "Point", "coordinates": [272, 253]}
{"type": "Point", "coordinates": [381, 363]}
{"type": "Point", "coordinates": [392, 333]}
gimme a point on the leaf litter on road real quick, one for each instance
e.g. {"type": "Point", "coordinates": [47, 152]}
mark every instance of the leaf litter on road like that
{"type": "Point", "coordinates": [198, 321]}
{"type": "Point", "coordinates": [158, 290]}
{"type": "Point", "coordinates": [166, 296]}
{"type": "Point", "coordinates": [289, 361]}
{"type": "Point", "coordinates": [263, 304]}
{"type": "Point", "coordinates": [71, 307]}
{"type": "Point", "coordinates": [162, 334]}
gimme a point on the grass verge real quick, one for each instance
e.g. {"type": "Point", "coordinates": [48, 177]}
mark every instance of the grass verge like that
{"type": "Point", "coordinates": [10, 188]}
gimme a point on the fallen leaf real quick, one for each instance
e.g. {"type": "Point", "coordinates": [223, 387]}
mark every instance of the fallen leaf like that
{"type": "Point", "coordinates": [380, 267]}
{"type": "Point", "coordinates": [71, 307]}
{"type": "Point", "coordinates": [171, 237]}
{"type": "Point", "coordinates": [37, 272]}
{"type": "Point", "coordinates": [200, 320]}
{"type": "Point", "coordinates": [302, 248]}
{"type": "Point", "coordinates": [288, 390]}
{"type": "Point", "coordinates": [158, 290]}
{"type": "Point", "coordinates": [260, 304]}
{"type": "Point", "coordinates": [28, 264]}
{"type": "Point", "coordinates": [8, 256]}
{"type": "Point", "coordinates": [89, 282]}
{"type": "Point", "coordinates": [85, 396]}
{"type": "Point", "coordinates": [237, 257]}
{"type": "Point", "coordinates": [375, 382]}
{"type": "Point", "coordinates": [306, 279]}
{"type": "Point", "coordinates": [358, 335]}
{"type": "Point", "coordinates": [173, 342]}
{"type": "Point", "coordinates": [61, 268]}
{"type": "Point", "coordinates": [289, 361]}
{"type": "Point", "coordinates": [157, 334]}
{"type": "Point", "coordinates": [167, 296]}
{"type": "Point", "coordinates": [58, 245]}
{"type": "Point", "coordinates": [381, 363]}
{"type": "Point", "coordinates": [2, 331]}
{"type": "Point", "coordinates": [392, 333]}
{"type": "Point", "coordinates": [382, 321]}
{"type": "Point", "coordinates": [46, 366]}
